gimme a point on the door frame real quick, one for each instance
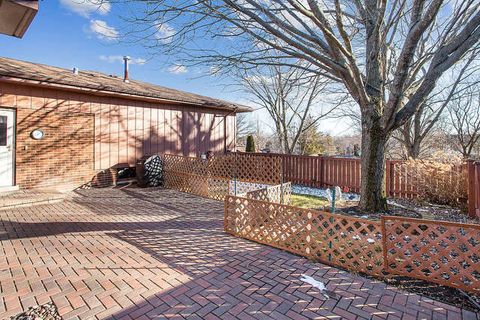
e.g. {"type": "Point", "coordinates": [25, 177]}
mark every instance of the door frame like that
{"type": "Point", "coordinates": [14, 144]}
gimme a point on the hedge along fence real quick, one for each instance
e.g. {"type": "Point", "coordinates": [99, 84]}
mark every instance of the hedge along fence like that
{"type": "Point", "coordinates": [434, 181]}
{"type": "Point", "coordinates": [441, 252]}
{"type": "Point", "coordinates": [216, 178]}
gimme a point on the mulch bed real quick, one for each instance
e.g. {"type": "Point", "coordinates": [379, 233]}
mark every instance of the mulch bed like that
{"type": "Point", "coordinates": [412, 209]}
{"type": "Point", "coordinates": [423, 210]}
{"type": "Point", "coordinates": [47, 311]}
{"type": "Point", "coordinates": [437, 292]}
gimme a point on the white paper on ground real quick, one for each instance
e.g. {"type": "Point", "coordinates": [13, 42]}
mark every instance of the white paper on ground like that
{"type": "Point", "coordinates": [313, 282]}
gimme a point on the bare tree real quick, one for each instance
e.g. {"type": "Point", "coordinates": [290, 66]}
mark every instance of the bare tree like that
{"type": "Point", "coordinates": [465, 121]}
{"type": "Point", "coordinates": [245, 126]}
{"type": "Point", "coordinates": [415, 134]}
{"type": "Point", "coordinates": [372, 47]}
{"type": "Point", "coordinates": [290, 96]}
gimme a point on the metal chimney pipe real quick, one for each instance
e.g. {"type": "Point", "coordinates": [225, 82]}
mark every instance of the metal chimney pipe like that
{"type": "Point", "coordinates": [125, 73]}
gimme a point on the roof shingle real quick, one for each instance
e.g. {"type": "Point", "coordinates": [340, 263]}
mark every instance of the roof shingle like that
{"type": "Point", "coordinates": [51, 76]}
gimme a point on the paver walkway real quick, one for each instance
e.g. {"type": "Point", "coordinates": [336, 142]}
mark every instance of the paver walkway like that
{"type": "Point", "coordinates": [143, 254]}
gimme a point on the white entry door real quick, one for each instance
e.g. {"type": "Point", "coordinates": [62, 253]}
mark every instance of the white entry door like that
{"type": "Point", "coordinates": [7, 132]}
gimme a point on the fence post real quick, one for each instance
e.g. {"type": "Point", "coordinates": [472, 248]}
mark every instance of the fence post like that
{"type": "Point", "coordinates": [471, 187]}
{"type": "Point", "coordinates": [282, 178]}
{"type": "Point", "coordinates": [384, 243]}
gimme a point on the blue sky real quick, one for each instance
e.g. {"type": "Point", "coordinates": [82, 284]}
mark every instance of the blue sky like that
{"type": "Point", "coordinates": [74, 33]}
{"type": "Point", "coordinates": [66, 35]}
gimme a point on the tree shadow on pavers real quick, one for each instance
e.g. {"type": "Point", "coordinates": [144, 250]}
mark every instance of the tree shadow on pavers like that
{"type": "Point", "coordinates": [189, 266]}
{"type": "Point", "coordinates": [10, 230]}
{"type": "Point", "coordinates": [112, 213]}
{"type": "Point", "coordinates": [226, 275]}
{"type": "Point", "coordinates": [137, 201]}
{"type": "Point", "coordinates": [232, 275]}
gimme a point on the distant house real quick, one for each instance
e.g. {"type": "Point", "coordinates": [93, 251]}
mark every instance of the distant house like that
{"type": "Point", "coordinates": [61, 127]}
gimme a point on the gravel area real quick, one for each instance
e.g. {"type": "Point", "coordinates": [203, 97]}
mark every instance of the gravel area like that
{"type": "Point", "coordinates": [298, 189]}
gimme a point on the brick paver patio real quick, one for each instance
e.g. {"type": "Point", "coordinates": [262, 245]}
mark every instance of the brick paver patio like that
{"type": "Point", "coordinates": [143, 254]}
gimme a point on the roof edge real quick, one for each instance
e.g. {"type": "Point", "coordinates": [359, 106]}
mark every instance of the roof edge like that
{"type": "Point", "coordinates": [108, 93]}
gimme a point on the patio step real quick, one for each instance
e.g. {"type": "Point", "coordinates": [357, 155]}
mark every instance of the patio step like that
{"type": "Point", "coordinates": [27, 198]}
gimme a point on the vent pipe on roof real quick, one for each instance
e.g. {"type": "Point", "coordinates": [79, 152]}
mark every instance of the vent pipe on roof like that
{"type": "Point", "coordinates": [125, 73]}
{"type": "Point", "coordinates": [75, 71]}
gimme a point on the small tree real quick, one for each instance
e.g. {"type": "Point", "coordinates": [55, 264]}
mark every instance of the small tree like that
{"type": "Point", "coordinates": [250, 147]}
{"type": "Point", "coordinates": [310, 140]}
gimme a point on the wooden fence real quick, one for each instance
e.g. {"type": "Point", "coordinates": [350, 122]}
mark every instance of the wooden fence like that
{"type": "Point", "coordinates": [323, 172]}
{"type": "Point", "coordinates": [273, 169]}
{"type": "Point", "coordinates": [441, 252]}
{"type": "Point", "coordinates": [474, 188]}
{"type": "Point", "coordinates": [250, 176]}
{"type": "Point", "coordinates": [218, 187]}
{"type": "Point", "coordinates": [250, 168]}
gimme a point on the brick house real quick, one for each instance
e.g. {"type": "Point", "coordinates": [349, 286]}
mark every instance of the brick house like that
{"type": "Point", "coordinates": [59, 127]}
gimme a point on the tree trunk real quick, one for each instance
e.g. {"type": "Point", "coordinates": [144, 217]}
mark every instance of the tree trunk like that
{"type": "Point", "coordinates": [372, 189]}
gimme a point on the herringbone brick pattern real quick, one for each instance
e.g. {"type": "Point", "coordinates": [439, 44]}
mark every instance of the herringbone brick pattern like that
{"type": "Point", "coordinates": [161, 254]}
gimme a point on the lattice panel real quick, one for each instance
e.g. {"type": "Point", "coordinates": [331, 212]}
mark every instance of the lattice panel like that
{"type": "Point", "coordinates": [186, 164]}
{"type": "Point", "coordinates": [442, 252]}
{"type": "Point", "coordinates": [351, 243]}
{"type": "Point", "coordinates": [218, 188]}
{"type": "Point", "coordinates": [258, 168]}
{"type": "Point", "coordinates": [241, 188]}
{"type": "Point", "coordinates": [190, 183]}
{"type": "Point", "coordinates": [248, 168]}
{"type": "Point", "coordinates": [272, 193]}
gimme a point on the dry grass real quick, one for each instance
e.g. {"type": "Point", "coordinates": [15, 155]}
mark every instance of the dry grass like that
{"type": "Point", "coordinates": [308, 202]}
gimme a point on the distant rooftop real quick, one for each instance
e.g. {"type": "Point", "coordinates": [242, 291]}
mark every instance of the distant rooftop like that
{"type": "Point", "coordinates": [39, 74]}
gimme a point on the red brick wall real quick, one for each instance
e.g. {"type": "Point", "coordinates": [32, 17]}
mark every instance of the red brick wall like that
{"type": "Point", "coordinates": [86, 134]}
{"type": "Point", "coordinates": [64, 158]}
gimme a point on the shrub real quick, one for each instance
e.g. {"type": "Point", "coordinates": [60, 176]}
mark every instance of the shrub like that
{"type": "Point", "coordinates": [250, 147]}
{"type": "Point", "coordinates": [441, 180]}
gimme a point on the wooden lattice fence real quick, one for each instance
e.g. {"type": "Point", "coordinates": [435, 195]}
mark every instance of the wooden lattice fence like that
{"type": "Point", "coordinates": [188, 165]}
{"type": "Point", "coordinates": [441, 252]}
{"type": "Point", "coordinates": [223, 175]}
{"type": "Point", "coordinates": [249, 168]}
{"type": "Point", "coordinates": [352, 243]}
